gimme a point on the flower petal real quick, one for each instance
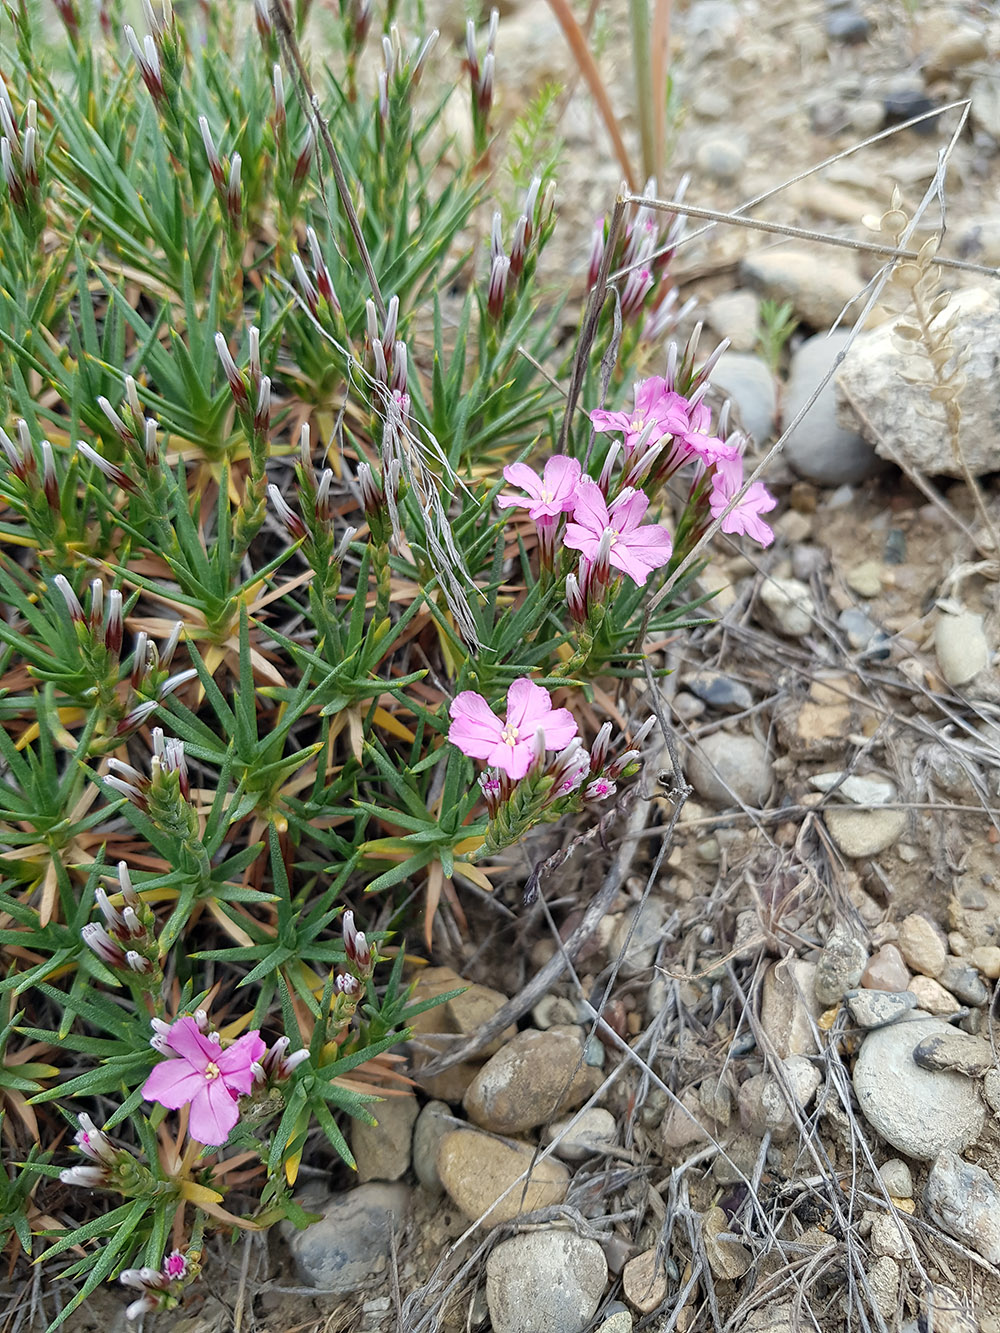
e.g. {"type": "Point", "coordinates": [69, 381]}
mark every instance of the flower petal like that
{"type": "Point", "coordinates": [590, 509]}
{"type": "Point", "coordinates": [213, 1114]}
{"type": "Point", "coordinates": [561, 478]}
{"type": "Point", "coordinates": [628, 510]}
{"type": "Point", "coordinates": [172, 1083]}
{"type": "Point", "coordinates": [519, 474]}
{"type": "Point", "coordinates": [515, 760]}
{"type": "Point", "coordinates": [187, 1039]}
{"type": "Point", "coordinates": [560, 728]}
{"type": "Point", "coordinates": [527, 706]}
{"type": "Point", "coordinates": [604, 421]}
{"type": "Point", "coordinates": [474, 729]}
{"type": "Point", "coordinates": [234, 1062]}
{"type": "Point", "coordinates": [579, 538]}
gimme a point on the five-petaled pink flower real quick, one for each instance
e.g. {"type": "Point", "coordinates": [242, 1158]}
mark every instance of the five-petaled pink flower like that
{"type": "Point", "coordinates": [548, 495]}
{"type": "Point", "coordinates": [656, 406]}
{"type": "Point", "coordinates": [727, 480]}
{"type": "Point", "coordinates": [635, 550]}
{"type": "Point", "coordinates": [709, 449]}
{"type": "Point", "coordinates": [208, 1076]}
{"type": "Point", "coordinates": [509, 744]}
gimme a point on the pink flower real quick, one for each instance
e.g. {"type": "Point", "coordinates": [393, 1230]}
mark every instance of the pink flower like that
{"type": "Point", "coordinates": [635, 550]}
{"type": "Point", "coordinates": [206, 1075]}
{"type": "Point", "coordinates": [550, 494]}
{"type": "Point", "coordinates": [510, 745]}
{"type": "Point", "coordinates": [656, 406]}
{"type": "Point", "coordinates": [727, 480]}
{"type": "Point", "coordinates": [700, 444]}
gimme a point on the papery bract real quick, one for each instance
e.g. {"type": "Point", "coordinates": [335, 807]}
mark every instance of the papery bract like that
{"type": "Point", "coordinates": [549, 495]}
{"type": "Point", "coordinates": [208, 1076]}
{"type": "Point", "coordinates": [634, 549]}
{"type": "Point", "coordinates": [509, 744]}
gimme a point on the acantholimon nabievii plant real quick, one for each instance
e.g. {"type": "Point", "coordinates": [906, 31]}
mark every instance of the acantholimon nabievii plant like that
{"type": "Point", "coordinates": [308, 573]}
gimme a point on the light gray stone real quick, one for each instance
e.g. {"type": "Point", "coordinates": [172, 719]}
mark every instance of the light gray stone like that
{"type": "Point", "coordinates": [957, 1050]}
{"type": "Point", "coordinates": [352, 1243]}
{"type": "Point", "coordinates": [433, 1123]}
{"type": "Point", "coordinates": [789, 1008]}
{"type": "Point", "coordinates": [721, 157]}
{"type": "Point", "coordinates": [879, 1008]}
{"type": "Point", "coordinates": [618, 1321]}
{"type": "Point", "coordinates": [883, 1278]}
{"type": "Point", "coordinates": [728, 1259]}
{"type": "Point", "coordinates": [819, 287]}
{"type": "Point", "coordinates": [748, 381]}
{"type": "Point", "coordinates": [820, 449]}
{"type": "Point", "coordinates": [900, 418]}
{"type": "Point", "coordinates": [736, 316]}
{"type": "Point", "coordinates": [965, 1202]}
{"type": "Point", "coordinates": [859, 790]}
{"type": "Point", "coordinates": [960, 645]}
{"type": "Point", "coordinates": [788, 606]}
{"type": "Point", "coordinates": [985, 93]}
{"type": "Point", "coordinates": [840, 965]}
{"type": "Point", "coordinates": [595, 1131]}
{"type": "Point", "coordinates": [635, 936]}
{"type": "Point", "coordinates": [545, 1282]}
{"type": "Point", "coordinates": [897, 1178]}
{"type": "Point", "coordinates": [918, 1112]}
{"type": "Point", "coordinates": [728, 768]}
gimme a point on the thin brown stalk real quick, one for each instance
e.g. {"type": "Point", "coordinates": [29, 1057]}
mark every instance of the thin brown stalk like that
{"type": "Point", "coordinates": [660, 58]}
{"type": "Point", "coordinates": [588, 68]}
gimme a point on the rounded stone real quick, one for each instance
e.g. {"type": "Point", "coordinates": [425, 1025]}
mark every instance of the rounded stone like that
{"type": "Point", "coordinates": [921, 945]}
{"type": "Point", "coordinates": [595, 1131]}
{"type": "Point", "coordinates": [886, 971]}
{"type": "Point", "coordinates": [840, 965]}
{"type": "Point", "coordinates": [433, 1123]}
{"type": "Point", "coordinates": [932, 996]}
{"type": "Point", "coordinates": [748, 381]}
{"type": "Point", "coordinates": [729, 768]}
{"type": "Point", "coordinates": [635, 937]}
{"type": "Point", "coordinates": [897, 1178]}
{"type": "Point", "coordinates": [879, 1008]}
{"type": "Point", "coordinates": [820, 448]}
{"type": "Point", "coordinates": [986, 959]}
{"type": "Point", "coordinates": [788, 605]}
{"type": "Point", "coordinates": [352, 1243]}
{"type": "Point", "coordinates": [919, 1112]}
{"type": "Point", "coordinates": [382, 1150]}
{"type": "Point", "coordinates": [545, 1282]}
{"type": "Point", "coordinates": [476, 1170]}
{"type": "Point", "coordinates": [534, 1077]}
{"type": "Point", "coordinates": [644, 1282]}
{"type": "Point", "coordinates": [965, 1202]}
{"type": "Point", "coordinates": [721, 158]}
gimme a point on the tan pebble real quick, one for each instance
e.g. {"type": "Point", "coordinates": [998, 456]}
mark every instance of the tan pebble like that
{"type": "Point", "coordinates": [932, 996]}
{"type": "Point", "coordinates": [922, 945]}
{"type": "Point", "coordinates": [904, 1205]}
{"type": "Point", "coordinates": [644, 1282]}
{"type": "Point", "coordinates": [476, 1169]}
{"type": "Point", "coordinates": [986, 959]}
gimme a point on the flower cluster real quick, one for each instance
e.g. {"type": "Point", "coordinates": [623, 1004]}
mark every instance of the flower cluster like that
{"type": "Point", "coordinates": [161, 1288]}
{"type": "Point", "coordinates": [126, 941]}
{"type": "Point", "coordinates": [521, 786]}
{"type": "Point", "coordinates": [200, 1071]}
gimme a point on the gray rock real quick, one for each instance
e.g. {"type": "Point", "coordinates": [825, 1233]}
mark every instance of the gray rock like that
{"type": "Point", "coordinates": [965, 1202]}
{"type": "Point", "coordinates": [964, 983]}
{"type": "Point", "coordinates": [736, 316]}
{"type": "Point", "coordinates": [863, 833]}
{"type": "Point", "coordinates": [729, 768]}
{"type": "Point", "coordinates": [433, 1123]}
{"type": "Point", "coordinates": [545, 1282]}
{"type": "Point", "coordinates": [820, 288]}
{"type": "Point", "coordinates": [905, 425]}
{"type": "Point", "coordinates": [533, 1077]}
{"type": "Point", "coordinates": [636, 936]}
{"type": "Point", "coordinates": [595, 1132]}
{"type": "Point", "coordinates": [897, 1178]}
{"type": "Point", "coordinates": [551, 1010]}
{"type": "Point", "coordinates": [721, 157]}
{"type": "Point", "coordinates": [728, 1259]}
{"type": "Point", "coordinates": [820, 449]}
{"type": "Point", "coordinates": [960, 643]}
{"type": "Point", "coordinates": [617, 1321]}
{"type": "Point", "coordinates": [352, 1243]}
{"type": "Point", "coordinates": [957, 1050]}
{"type": "Point", "coordinates": [768, 1103]}
{"type": "Point", "coordinates": [883, 1279]}
{"type": "Point", "coordinates": [991, 1090]}
{"type": "Point", "coordinates": [859, 789]}
{"type": "Point", "coordinates": [847, 26]}
{"type": "Point", "coordinates": [748, 381]}
{"type": "Point", "coordinates": [879, 1008]}
{"type": "Point", "coordinates": [711, 103]}
{"type": "Point", "coordinates": [863, 635]}
{"type": "Point", "coordinates": [382, 1151]}
{"type": "Point", "coordinates": [979, 239]}
{"type": "Point", "coordinates": [944, 1311]}
{"type": "Point", "coordinates": [985, 93]}
{"type": "Point", "coordinates": [788, 606]}
{"type": "Point", "coordinates": [721, 692]}
{"type": "Point", "coordinates": [840, 965]}
{"type": "Point", "coordinates": [919, 1112]}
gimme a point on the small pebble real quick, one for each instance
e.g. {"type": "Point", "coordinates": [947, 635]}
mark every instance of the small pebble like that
{"type": "Point", "coordinates": [897, 1178]}
{"type": "Point", "coordinates": [736, 316]}
{"type": "Point", "coordinates": [964, 983]}
{"type": "Point", "coordinates": [986, 959]}
{"type": "Point", "coordinates": [644, 1282]}
{"type": "Point", "coordinates": [883, 1279]}
{"type": "Point", "coordinates": [840, 965]}
{"type": "Point", "coordinates": [879, 1008]}
{"type": "Point", "coordinates": [721, 692]}
{"type": "Point", "coordinates": [922, 945]}
{"type": "Point", "coordinates": [433, 1123]}
{"type": "Point", "coordinates": [728, 1259]}
{"type": "Point", "coordinates": [595, 1131]}
{"type": "Point", "coordinates": [860, 834]}
{"type": "Point", "coordinates": [865, 579]}
{"type": "Point", "coordinates": [789, 1008]}
{"type": "Point", "coordinates": [886, 971]}
{"type": "Point", "coordinates": [961, 647]}
{"type": "Point", "coordinates": [477, 1169]}
{"type": "Point", "coordinates": [907, 103]}
{"type": "Point", "coordinates": [789, 606]}
{"type": "Point", "coordinates": [721, 158]}
{"type": "Point", "coordinates": [382, 1151]}
{"type": "Point", "coordinates": [352, 1242]}
{"type": "Point", "coordinates": [933, 997]}
{"type": "Point", "coordinates": [728, 768]}
{"type": "Point", "coordinates": [617, 1321]}
{"type": "Point", "coordinates": [847, 26]}
{"type": "Point", "coordinates": [535, 1076]}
